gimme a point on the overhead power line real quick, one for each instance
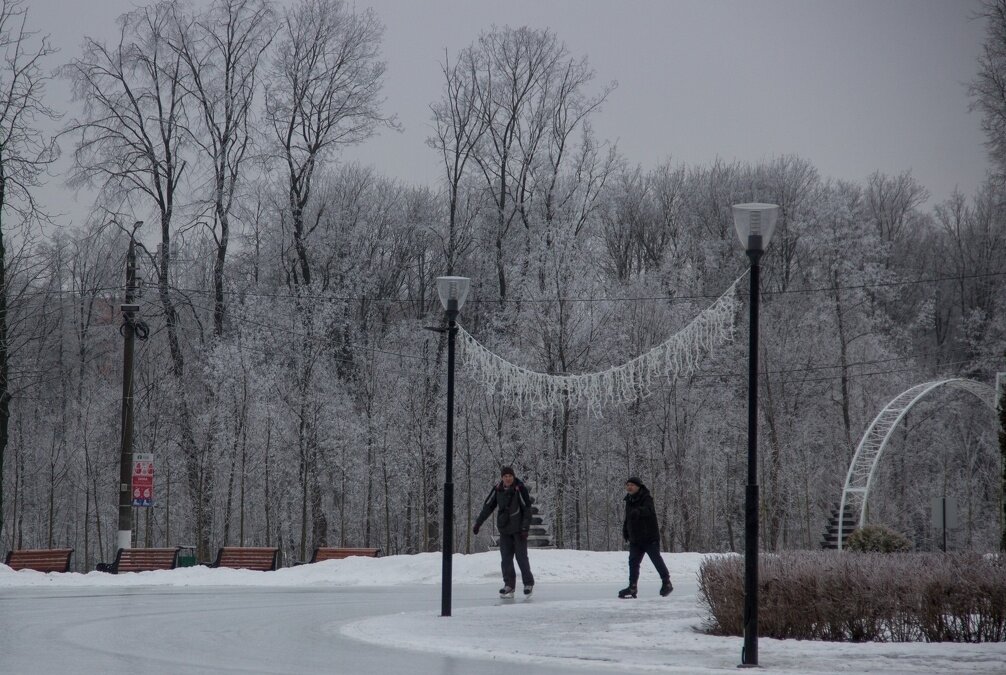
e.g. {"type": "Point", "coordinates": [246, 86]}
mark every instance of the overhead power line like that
{"type": "Point", "coordinates": [496, 301]}
{"type": "Point", "coordinates": [626, 298]}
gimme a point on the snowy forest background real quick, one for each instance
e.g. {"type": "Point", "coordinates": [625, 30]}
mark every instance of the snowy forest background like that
{"type": "Point", "coordinates": [288, 389]}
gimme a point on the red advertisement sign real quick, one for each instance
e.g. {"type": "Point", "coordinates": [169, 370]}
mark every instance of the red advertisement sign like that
{"type": "Point", "coordinates": [143, 479]}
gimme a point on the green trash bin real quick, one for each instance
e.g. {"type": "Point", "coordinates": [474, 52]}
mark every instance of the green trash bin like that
{"type": "Point", "coordinates": [187, 556]}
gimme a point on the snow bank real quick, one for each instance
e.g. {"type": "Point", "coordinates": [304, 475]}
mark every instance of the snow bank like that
{"type": "Point", "coordinates": [579, 625]}
{"type": "Point", "coordinates": [549, 566]}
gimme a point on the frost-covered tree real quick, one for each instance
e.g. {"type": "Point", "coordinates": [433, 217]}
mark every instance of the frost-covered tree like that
{"type": "Point", "coordinates": [221, 49]}
{"type": "Point", "coordinates": [988, 88]}
{"type": "Point", "coordinates": [322, 92]}
{"type": "Point", "coordinates": [25, 152]}
{"type": "Point", "coordinates": [131, 142]}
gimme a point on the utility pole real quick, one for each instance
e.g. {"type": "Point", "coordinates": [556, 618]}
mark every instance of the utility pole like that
{"type": "Point", "coordinates": [129, 311]}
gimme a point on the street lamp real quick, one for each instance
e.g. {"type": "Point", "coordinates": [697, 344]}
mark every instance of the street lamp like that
{"type": "Point", "coordinates": [452, 292]}
{"type": "Point", "coordinates": [754, 224]}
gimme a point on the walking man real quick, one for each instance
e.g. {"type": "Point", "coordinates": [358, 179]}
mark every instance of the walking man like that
{"type": "Point", "coordinates": [513, 520]}
{"type": "Point", "coordinates": [641, 529]}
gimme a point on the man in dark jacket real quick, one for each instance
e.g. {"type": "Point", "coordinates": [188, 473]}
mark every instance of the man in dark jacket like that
{"type": "Point", "coordinates": [641, 529]}
{"type": "Point", "coordinates": [513, 520]}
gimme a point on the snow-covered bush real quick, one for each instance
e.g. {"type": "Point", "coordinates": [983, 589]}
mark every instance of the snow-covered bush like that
{"type": "Point", "coordinates": [878, 539]}
{"type": "Point", "coordinates": [856, 597]}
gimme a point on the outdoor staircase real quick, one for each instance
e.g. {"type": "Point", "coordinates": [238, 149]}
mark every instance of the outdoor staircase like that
{"type": "Point", "coordinates": [849, 523]}
{"type": "Point", "coordinates": [539, 535]}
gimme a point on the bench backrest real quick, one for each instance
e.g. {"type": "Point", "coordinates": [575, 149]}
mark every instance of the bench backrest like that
{"type": "Point", "coordinates": [145, 559]}
{"type": "Point", "coordinates": [264, 558]}
{"type": "Point", "coordinates": [332, 553]}
{"type": "Point", "coordinates": [40, 559]}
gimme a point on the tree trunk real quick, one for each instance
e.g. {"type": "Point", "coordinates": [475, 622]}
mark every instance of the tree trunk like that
{"type": "Point", "coordinates": [1001, 396]}
{"type": "Point", "coordinates": [773, 502]}
{"type": "Point", "coordinates": [228, 503]}
{"type": "Point", "coordinates": [5, 396]}
{"type": "Point", "coordinates": [387, 509]}
{"type": "Point", "coordinates": [199, 476]}
{"type": "Point", "coordinates": [843, 355]}
{"type": "Point", "coordinates": [319, 521]}
{"type": "Point", "coordinates": [265, 488]}
{"type": "Point", "coordinates": [369, 496]}
{"type": "Point", "coordinates": [218, 263]}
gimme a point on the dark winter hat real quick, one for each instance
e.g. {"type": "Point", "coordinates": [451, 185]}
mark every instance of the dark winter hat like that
{"type": "Point", "coordinates": [507, 470]}
{"type": "Point", "coordinates": [633, 479]}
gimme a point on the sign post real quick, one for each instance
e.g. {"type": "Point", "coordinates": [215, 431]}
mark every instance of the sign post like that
{"type": "Point", "coordinates": [143, 479]}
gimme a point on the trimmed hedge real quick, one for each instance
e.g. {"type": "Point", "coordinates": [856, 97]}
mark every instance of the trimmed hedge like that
{"type": "Point", "coordinates": [855, 597]}
{"type": "Point", "coordinates": [878, 539]}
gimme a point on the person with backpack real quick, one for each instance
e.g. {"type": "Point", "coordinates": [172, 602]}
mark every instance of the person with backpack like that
{"type": "Point", "coordinates": [512, 502]}
{"type": "Point", "coordinates": [641, 529]}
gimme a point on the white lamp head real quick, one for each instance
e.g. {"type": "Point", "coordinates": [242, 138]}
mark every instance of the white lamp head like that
{"type": "Point", "coordinates": [755, 224]}
{"type": "Point", "coordinates": [452, 292]}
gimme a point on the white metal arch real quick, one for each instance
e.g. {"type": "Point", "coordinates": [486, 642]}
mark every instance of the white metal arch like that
{"type": "Point", "coordinates": [864, 463]}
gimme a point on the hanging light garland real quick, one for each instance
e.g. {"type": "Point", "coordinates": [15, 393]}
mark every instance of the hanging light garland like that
{"type": "Point", "coordinates": [679, 355]}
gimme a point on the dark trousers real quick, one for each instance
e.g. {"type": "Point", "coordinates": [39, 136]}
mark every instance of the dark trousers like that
{"type": "Point", "coordinates": [510, 545]}
{"type": "Point", "coordinates": [636, 553]}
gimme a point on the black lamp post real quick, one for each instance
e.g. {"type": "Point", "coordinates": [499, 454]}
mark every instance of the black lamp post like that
{"type": "Point", "coordinates": [754, 224]}
{"type": "Point", "coordinates": [452, 292]}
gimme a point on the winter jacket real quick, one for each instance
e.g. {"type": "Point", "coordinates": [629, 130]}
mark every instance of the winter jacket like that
{"type": "Point", "coordinates": [640, 525]}
{"type": "Point", "coordinates": [514, 504]}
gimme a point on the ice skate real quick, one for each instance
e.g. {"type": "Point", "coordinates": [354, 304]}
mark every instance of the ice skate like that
{"type": "Point", "coordinates": [506, 592]}
{"type": "Point", "coordinates": [627, 592]}
{"type": "Point", "coordinates": [666, 588]}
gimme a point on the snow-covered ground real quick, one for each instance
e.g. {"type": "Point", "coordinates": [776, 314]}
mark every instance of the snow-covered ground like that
{"type": "Point", "coordinates": [572, 620]}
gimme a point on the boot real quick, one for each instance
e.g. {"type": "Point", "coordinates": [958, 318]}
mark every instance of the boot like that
{"type": "Point", "coordinates": [628, 592]}
{"type": "Point", "coordinates": [666, 588]}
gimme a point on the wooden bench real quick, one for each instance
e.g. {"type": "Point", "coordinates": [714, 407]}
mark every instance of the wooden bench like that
{"type": "Point", "coordinates": [334, 553]}
{"type": "Point", "coordinates": [264, 558]}
{"type": "Point", "coordinates": [331, 553]}
{"type": "Point", "coordinates": [141, 560]}
{"type": "Point", "coordinates": [40, 559]}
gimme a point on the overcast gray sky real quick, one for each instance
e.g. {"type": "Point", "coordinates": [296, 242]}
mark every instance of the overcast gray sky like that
{"type": "Point", "coordinates": [853, 86]}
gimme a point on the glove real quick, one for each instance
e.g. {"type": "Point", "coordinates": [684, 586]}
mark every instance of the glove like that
{"type": "Point", "coordinates": [475, 528]}
{"type": "Point", "coordinates": [523, 535]}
